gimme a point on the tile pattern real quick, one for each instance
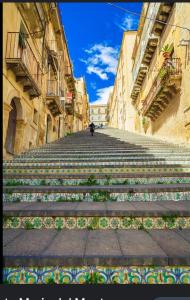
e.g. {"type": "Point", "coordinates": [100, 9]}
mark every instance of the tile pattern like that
{"type": "Point", "coordinates": [141, 169]}
{"type": "Point", "coordinates": [59, 182]}
{"type": "Point", "coordinates": [98, 274]}
{"type": "Point", "coordinates": [60, 197]}
{"type": "Point", "coordinates": [92, 223]}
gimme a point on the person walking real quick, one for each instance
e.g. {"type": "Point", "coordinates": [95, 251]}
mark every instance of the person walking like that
{"type": "Point", "coordinates": [92, 127]}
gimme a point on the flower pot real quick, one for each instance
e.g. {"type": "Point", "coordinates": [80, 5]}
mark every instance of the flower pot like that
{"type": "Point", "coordinates": [166, 55]}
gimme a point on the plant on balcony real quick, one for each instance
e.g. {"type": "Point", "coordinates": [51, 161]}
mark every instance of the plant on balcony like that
{"type": "Point", "coordinates": [163, 73]}
{"type": "Point", "coordinates": [167, 51]}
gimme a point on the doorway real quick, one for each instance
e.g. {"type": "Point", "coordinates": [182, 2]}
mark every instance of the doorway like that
{"type": "Point", "coordinates": [11, 129]}
{"type": "Point", "coordinates": [48, 129]}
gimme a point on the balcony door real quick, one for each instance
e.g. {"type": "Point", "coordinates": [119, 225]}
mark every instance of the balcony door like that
{"type": "Point", "coordinates": [48, 129]}
{"type": "Point", "coordinates": [11, 130]}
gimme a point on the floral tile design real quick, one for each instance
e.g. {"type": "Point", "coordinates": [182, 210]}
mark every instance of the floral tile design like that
{"type": "Point", "coordinates": [103, 170]}
{"type": "Point", "coordinates": [112, 181]}
{"type": "Point", "coordinates": [97, 222]}
{"type": "Point", "coordinates": [98, 274]}
{"type": "Point", "coordinates": [61, 197]}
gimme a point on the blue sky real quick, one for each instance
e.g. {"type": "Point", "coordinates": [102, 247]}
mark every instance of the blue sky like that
{"type": "Point", "coordinates": [94, 33]}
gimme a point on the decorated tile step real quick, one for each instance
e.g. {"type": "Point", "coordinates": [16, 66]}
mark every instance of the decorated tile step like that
{"type": "Point", "coordinates": [108, 170]}
{"type": "Point", "coordinates": [94, 197]}
{"type": "Point", "coordinates": [126, 149]}
{"type": "Point", "coordinates": [109, 180]}
{"type": "Point", "coordinates": [96, 163]}
{"type": "Point", "coordinates": [96, 159]}
{"type": "Point", "coordinates": [93, 223]}
{"type": "Point", "coordinates": [98, 274]}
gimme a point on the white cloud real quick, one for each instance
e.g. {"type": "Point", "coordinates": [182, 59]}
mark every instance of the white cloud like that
{"type": "Point", "coordinates": [103, 95]}
{"type": "Point", "coordinates": [102, 60]}
{"type": "Point", "coordinates": [128, 23]}
{"type": "Point", "coordinates": [91, 69]}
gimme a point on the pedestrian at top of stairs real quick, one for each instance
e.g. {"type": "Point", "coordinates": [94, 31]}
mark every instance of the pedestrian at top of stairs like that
{"type": "Point", "coordinates": [92, 128]}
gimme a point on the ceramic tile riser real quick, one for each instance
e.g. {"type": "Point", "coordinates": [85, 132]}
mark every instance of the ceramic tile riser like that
{"type": "Point", "coordinates": [98, 210]}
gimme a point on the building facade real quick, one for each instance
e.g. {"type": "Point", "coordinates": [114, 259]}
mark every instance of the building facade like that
{"type": "Point", "coordinates": [121, 110]}
{"type": "Point", "coordinates": [38, 82]}
{"type": "Point", "coordinates": [81, 106]}
{"type": "Point", "coordinates": [159, 88]}
{"type": "Point", "coordinates": [98, 114]}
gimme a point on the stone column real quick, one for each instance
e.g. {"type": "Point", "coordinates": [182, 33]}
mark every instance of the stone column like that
{"type": "Point", "coordinates": [6, 110]}
{"type": "Point", "coordinates": [20, 137]}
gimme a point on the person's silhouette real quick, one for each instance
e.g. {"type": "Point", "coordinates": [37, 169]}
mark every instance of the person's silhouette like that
{"type": "Point", "coordinates": [92, 127]}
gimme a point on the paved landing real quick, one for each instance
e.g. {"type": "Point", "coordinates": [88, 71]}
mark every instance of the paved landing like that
{"type": "Point", "coordinates": [96, 247]}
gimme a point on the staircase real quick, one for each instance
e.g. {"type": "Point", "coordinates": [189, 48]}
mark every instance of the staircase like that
{"type": "Point", "coordinates": [112, 208]}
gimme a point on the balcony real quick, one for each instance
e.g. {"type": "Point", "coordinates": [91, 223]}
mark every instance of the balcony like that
{"type": "Point", "coordinates": [148, 43]}
{"type": "Point", "coordinates": [70, 79]}
{"type": "Point", "coordinates": [138, 82]}
{"type": "Point", "coordinates": [22, 61]}
{"type": "Point", "coordinates": [165, 87]}
{"type": "Point", "coordinates": [69, 105]}
{"type": "Point", "coordinates": [149, 51]}
{"type": "Point", "coordinates": [53, 54]}
{"type": "Point", "coordinates": [53, 98]}
{"type": "Point", "coordinates": [162, 16]}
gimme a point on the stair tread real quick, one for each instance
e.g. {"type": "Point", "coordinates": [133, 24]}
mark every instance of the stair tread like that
{"type": "Point", "coordinates": [135, 208]}
{"type": "Point", "coordinates": [109, 188]}
{"type": "Point", "coordinates": [99, 247]}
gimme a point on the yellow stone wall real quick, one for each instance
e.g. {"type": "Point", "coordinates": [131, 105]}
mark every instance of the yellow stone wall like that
{"type": "Point", "coordinates": [81, 106]}
{"type": "Point", "coordinates": [31, 130]}
{"type": "Point", "coordinates": [121, 110]}
{"type": "Point", "coordinates": [98, 114]}
{"type": "Point", "coordinates": [172, 123]}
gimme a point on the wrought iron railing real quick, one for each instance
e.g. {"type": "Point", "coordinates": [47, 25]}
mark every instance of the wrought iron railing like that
{"type": "Point", "coordinates": [18, 48]}
{"type": "Point", "coordinates": [52, 88]}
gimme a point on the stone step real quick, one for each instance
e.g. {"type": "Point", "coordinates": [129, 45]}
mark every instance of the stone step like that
{"type": "Point", "coordinates": [103, 149]}
{"type": "Point", "coordinates": [133, 215]}
{"type": "Point", "coordinates": [103, 181]}
{"type": "Point", "coordinates": [109, 170]}
{"type": "Point", "coordinates": [97, 175]}
{"type": "Point", "coordinates": [50, 247]}
{"type": "Point", "coordinates": [134, 188]}
{"type": "Point", "coordinates": [97, 196]}
{"type": "Point", "coordinates": [87, 163]}
{"type": "Point", "coordinates": [114, 165]}
{"type": "Point", "coordinates": [97, 158]}
{"type": "Point", "coordinates": [91, 149]}
{"type": "Point", "coordinates": [108, 209]}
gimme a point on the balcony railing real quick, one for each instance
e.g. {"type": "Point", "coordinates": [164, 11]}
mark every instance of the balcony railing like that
{"type": "Point", "coordinates": [53, 98]}
{"type": "Point", "coordinates": [52, 88]}
{"type": "Point", "coordinates": [21, 59]}
{"type": "Point", "coordinates": [166, 83]}
{"type": "Point", "coordinates": [69, 104]}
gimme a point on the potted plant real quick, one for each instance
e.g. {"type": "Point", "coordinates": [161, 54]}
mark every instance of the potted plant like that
{"type": "Point", "coordinates": [163, 73]}
{"type": "Point", "coordinates": [167, 51]}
